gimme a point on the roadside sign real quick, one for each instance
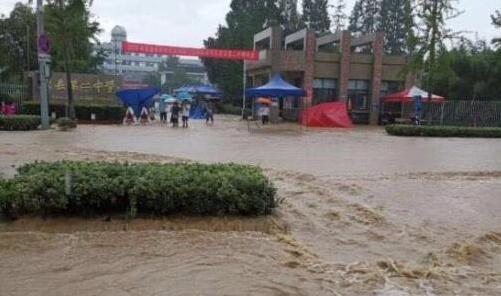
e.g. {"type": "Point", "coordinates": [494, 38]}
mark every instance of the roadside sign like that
{"type": "Point", "coordinates": [43, 44]}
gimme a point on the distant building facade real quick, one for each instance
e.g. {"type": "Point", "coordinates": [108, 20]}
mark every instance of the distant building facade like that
{"type": "Point", "coordinates": [333, 67]}
{"type": "Point", "coordinates": [133, 68]}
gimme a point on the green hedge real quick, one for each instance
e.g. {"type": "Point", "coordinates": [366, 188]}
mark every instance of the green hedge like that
{"type": "Point", "coordinates": [96, 188]}
{"type": "Point", "coordinates": [83, 111]}
{"type": "Point", "coordinates": [19, 122]}
{"type": "Point", "coordinates": [65, 123]}
{"type": "Point", "coordinates": [443, 131]}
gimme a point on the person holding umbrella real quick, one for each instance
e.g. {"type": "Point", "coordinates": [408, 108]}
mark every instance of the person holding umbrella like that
{"type": "Point", "coordinates": [209, 112]}
{"type": "Point", "coordinates": [185, 112]}
{"type": "Point", "coordinates": [174, 118]}
{"type": "Point", "coordinates": [163, 110]}
{"type": "Point", "coordinates": [264, 110]}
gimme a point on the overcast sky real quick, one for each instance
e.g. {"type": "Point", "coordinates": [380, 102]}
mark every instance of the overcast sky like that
{"type": "Point", "coordinates": [188, 22]}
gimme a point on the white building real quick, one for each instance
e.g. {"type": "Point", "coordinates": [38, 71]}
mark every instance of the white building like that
{"type": "Point", "coordinates": [134, 67]}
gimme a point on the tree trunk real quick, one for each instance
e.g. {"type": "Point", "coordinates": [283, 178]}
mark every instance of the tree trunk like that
{"type": "Point", "coordinates": [70, 109]}
{"type": "Point", "coordinates": [433, 48]}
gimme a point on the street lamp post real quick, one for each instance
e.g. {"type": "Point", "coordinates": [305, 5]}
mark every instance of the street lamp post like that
{"type": "Point", "coordinates": [44, 67]}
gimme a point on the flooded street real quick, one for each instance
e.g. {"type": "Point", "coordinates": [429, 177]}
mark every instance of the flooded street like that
{"type": "Point", "coordinates": [361, 213]}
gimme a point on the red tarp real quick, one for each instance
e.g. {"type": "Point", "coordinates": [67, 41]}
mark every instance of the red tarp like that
{"type": "Point", "coordinates": [327, 115]}
{"type": "Point", "coordinates": [406, 96]}
{"type": "Point", "coordinates": [224, 54]}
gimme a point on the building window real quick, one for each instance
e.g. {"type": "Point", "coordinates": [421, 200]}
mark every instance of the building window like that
{"type": "Point", "coordinates": [390, 87]}
{"type": "Point", "coordinates": [358, 93]}
{"type": "Point", "coordinates": [324, 90]}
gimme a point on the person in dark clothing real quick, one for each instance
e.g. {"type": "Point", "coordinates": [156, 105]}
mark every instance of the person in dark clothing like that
{"type": "Point", "coordinates": [209, 109]}
{"type": "Point", "coordinates": [163, 110]}
{"type": "Point", "coordinates": [390, 119]}
{"type": "Point", "coordinates": [174, 118]}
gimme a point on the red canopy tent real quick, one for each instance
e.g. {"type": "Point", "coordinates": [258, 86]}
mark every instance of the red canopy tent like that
{"type": "Point", "coordinates": [406, 96]}
{"type": "Point", "coordinates": [334, 114]}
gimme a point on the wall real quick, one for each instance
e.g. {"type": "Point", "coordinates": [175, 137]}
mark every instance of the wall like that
{"type": "Point", "coordinates": [86, 87]}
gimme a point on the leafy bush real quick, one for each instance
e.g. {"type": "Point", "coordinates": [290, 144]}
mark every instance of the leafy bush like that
{"type": "Point", "coordinates": [94, 188]}
{"type": "Point", "coordinates": [443, 131]}
{"type": "Point", "coordinates": [65, 123]}
{"type": "Point", "coordinates": [19, 122]}
{"type": "Point", "coordinates": [83, 110]}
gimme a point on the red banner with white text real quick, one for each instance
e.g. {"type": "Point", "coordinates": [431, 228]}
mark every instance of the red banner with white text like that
{"type": "Point", "coordinates": [224, 54]}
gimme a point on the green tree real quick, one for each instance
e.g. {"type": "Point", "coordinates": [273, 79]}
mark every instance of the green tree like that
{"type": "Point", "coordinates": [339, 16]}
{"type": "Point", "coordinates": [18, 47]}
{"type": "Point", "coordinates": [175, 75]}
{"type": "Point", "coordinates": [496, 21]}
{"type": "Point", "coordinates": [290, 18]}
{"type": "Point", "coordinates": [316, 15]}
{"type": "Point", "coordinates": [397, 22]}
{"type": "Point", "coordinates": [433, 16]}
{"type": "Point", "coordinates": [365, 16]}
{"type": "Point", "coordinates": [356, 18]}
{"type": "Point", "coordinates": [469, 71]}
{"type": "Point", "coordinates": [70, 29]}
{"type": "Point", "coordinates": [245, 18]}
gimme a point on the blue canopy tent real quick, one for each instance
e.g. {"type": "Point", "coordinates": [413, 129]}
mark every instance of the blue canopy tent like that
{"type": "Point", "coordinates": [202, 89]}
{"type": "Point", "coordinates": [275, 88]}
{"type": "Point", "coordinates": [138, 98]}
{"type": "Point", "coordinates": [209, 90]}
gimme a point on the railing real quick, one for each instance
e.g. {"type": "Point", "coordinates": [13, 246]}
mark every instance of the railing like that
{"type": "Point", "coordinates": [453, 112]}
{"type": "Point", "coordinates": [17, 92]}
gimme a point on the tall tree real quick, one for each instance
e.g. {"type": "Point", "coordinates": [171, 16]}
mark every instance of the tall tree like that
{"type": "Point", "coordinates": [246, 18]}
{"type": "Point", "coordinates": [496, 21]}
{"type": "Point", "coordinates": [17, 43]}
{"type": "Point", "coordinates": [339, 16]}
{"type": "Point", "coordinates": [365, 16]}
{"type": "Point", "coordinates": [316, 15]}
{"type": "Point", "coordinates": [397, 22]}
{"type": "Point", "coordinates": [290, 18]}
{"type": "Point", "coordinates": [433, 16]}
{"type": "Point", "coordinates": [356, 18]}
{"type": "Point", "coordinates": [71, 30]}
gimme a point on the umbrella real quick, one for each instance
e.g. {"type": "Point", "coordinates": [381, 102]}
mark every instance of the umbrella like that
{"type": "Point", "coordinates": [167, 98]}
{"type": "Point", "coordinates": [184, 96]}
{"type": "Point", "coordinates": [264, 101]}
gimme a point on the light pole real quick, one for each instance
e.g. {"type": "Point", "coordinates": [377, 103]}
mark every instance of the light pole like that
{"type": "Point", "coordinates": [44, 67]}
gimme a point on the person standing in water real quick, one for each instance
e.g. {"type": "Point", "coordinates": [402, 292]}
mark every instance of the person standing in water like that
{"type": "Point", "coordinates": [209, 109]}
{"type": "Point", "coordinates": [264, 111]}
{"type": "Point", "coordinates": [185, 110]}
{"type": "Point", "coordinates": [163, 110]}
{"type": "Point", "coordinates": [174, 118]}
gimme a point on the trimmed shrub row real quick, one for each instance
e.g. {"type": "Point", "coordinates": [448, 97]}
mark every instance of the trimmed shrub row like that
{"type": "Point", "coordinates": [97, 188]}
{"type": "Point", "coordinates": [83, 111]}
{"type": "Point", "coordinates": [19, 122]}
{"type": "Point", "coordinates": [65, 123]}
{"type": "Point", "coordinates": [443, 131]}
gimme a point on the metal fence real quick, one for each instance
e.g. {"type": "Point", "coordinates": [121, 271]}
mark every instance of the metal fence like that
{"type": "Point", "coordinates": [17, 92]}
{"type": "Point", "coordinates": [453, 112]}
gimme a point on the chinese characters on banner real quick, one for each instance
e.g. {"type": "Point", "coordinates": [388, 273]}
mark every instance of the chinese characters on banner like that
{"type": "Point", "coordinates": [224, 54]}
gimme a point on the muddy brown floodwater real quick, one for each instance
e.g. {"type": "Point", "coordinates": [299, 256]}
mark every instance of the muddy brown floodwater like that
{"type": "Point", "coordinates": [361, 213]}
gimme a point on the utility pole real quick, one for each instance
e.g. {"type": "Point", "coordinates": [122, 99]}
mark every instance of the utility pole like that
{"type": "Point", "coordinates": [44, 67]}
